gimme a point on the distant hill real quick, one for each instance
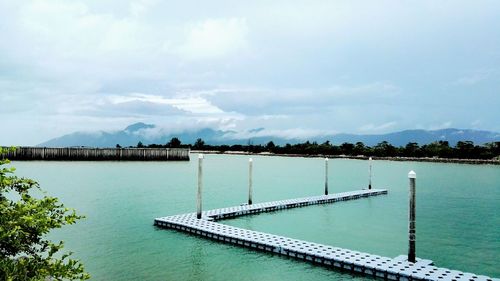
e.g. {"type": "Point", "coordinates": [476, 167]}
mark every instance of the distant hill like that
{"type": "Point", "coordinates": [148, 134]}
{"type": "Point", "coordinates": [130, 136]}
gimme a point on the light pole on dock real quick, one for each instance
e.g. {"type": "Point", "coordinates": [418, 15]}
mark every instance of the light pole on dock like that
{"type": "Point", "coordinates": [200, 186]}
{"type": "Point", "coordinates": [411, 218]}
{"type": "Point", "coordinates": [326, 176]}
{"type": "Point", "coordinates": [250, 164]}
{"type": "Point", "coordinates": [370, 162]}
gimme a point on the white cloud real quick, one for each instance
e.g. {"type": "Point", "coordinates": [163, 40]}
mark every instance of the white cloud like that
{"type": "Point", "coordinates": [68, 39]}
{"type": "Point", "coordinates": [299, 100]}
{"type": "Point", "coordinates": [138, 8]}
{"type": "Point", "coordinates": [215, 38]}
{"type": "Point", "coordinates": [372, 128]}
{"type": "Point", "coordinates": [295, 133]}
{"type": "Point", "coordinates": [477, 76]}
{"type": "Point", "coordinates": [476, 124]}
{"type": "Point", "coordinates": [196, 105]}
{"type": "Point", "coordinates": [471, 79]}
{"type": "Point", "coordinates": [185, 125]}
{"type": "Point", "coordinates": [380, 89]}
{"type": "Point", "coordinates": [444, 125]}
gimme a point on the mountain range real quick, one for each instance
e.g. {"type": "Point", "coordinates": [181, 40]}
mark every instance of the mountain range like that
{"type": "Point", "coordinates": [149, 134]}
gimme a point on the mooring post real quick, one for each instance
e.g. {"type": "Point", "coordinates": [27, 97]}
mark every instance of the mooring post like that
{"type": "Point", "coordinates": [250, 164]}
{"type": "Point", "coordinates": [200, 185]}
{"type": "Point", "coordinates": [326, 176]}
{"type": "Point", "coordinates": [411, 218]}
{"type": "Point", "coordinates": [370, 162]}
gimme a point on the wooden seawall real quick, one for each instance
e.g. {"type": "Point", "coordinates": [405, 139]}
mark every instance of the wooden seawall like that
{"type": "Point", "coordinates": [98, 154]}
{"type": "Point", "coordinates": [397, 268]}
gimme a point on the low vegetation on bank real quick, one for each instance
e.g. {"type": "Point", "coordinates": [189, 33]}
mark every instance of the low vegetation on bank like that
{"type": "Point", "coordinates": [439, 149]}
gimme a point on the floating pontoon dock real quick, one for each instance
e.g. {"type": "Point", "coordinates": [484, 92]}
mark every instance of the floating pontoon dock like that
{"type": "Point", "coordinates": [357, 262]}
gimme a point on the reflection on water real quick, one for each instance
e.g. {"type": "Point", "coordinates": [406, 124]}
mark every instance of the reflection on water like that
{"type": "Point", "coordinates": [197, 260]}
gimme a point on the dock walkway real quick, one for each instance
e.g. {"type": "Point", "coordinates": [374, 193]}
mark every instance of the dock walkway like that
{"type": "Point", "coordinates": [333, 257]}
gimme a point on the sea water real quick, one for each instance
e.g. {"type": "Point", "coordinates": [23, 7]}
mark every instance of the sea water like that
{"type": "Point", "coordinates": [458, 215]}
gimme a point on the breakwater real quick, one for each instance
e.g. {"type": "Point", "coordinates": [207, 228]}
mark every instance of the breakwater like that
{"type": "Point", "coordinates": [97, 154]}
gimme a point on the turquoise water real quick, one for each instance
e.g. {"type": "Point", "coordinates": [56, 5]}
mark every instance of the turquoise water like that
{"type": "Point", "coordinates": [458, 215]}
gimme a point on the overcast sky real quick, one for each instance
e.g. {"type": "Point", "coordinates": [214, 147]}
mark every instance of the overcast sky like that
{"type": "Point", "coordinates": [296, 68]}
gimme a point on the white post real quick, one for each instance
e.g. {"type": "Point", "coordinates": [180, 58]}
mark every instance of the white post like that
{"type": "Point", "coordinates": [200, 185]}
{"type": "Point", "coordinates": [326, 176]}
{"type": "Point", "coordinates": [250, 164]}
{"type": "Point", "coordinates": [370, 173]}
{"type": "Point", "coordinates": [411, 218]}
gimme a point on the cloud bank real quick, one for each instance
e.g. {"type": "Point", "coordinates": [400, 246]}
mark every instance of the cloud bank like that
{"type": "Point", "coordinates": [295, 69]}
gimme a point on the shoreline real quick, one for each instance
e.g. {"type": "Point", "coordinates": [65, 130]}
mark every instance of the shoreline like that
{"type": "Point", "coordinates": [361, 157]}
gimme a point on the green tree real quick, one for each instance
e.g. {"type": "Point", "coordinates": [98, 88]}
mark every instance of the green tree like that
{"type": "Point", "coordinates": [174, 142]}
{"type": "Point", "coordinates": [493, 149]}
{"type": "Point", "coordinates": [270, 146]}
{"type": "Point", "coordinates": [25, 220]}
{"type": "Point", "coordinates": [359, 148]}
{"type": "Point", "coordinates": [326, 148]}
{"type": "Point", "coordinates": [411, 149]}
{"type": "Point", "coordinates": [347, 148]}
{"type": "Point", "coordinates": [199, 144]}
{"type": "Point", "coordinates": [465, 149]}
{"type": "Point", "coordinates": [140, 144]}
{"type": "Point", "coordinates": [384, 149]}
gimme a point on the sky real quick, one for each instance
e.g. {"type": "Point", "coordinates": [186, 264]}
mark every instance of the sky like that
{"type": "Point", "coordinates": [294, 68]}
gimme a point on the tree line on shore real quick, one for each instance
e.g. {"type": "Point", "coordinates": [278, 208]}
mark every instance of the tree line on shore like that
{"type": "Point", "coordinates": [441, 149]}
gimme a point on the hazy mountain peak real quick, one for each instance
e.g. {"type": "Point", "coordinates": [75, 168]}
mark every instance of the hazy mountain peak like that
{"type": "Point", "coordinates": [138, 126]}
{"type": "Point", "coordinates": [256, 130]}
